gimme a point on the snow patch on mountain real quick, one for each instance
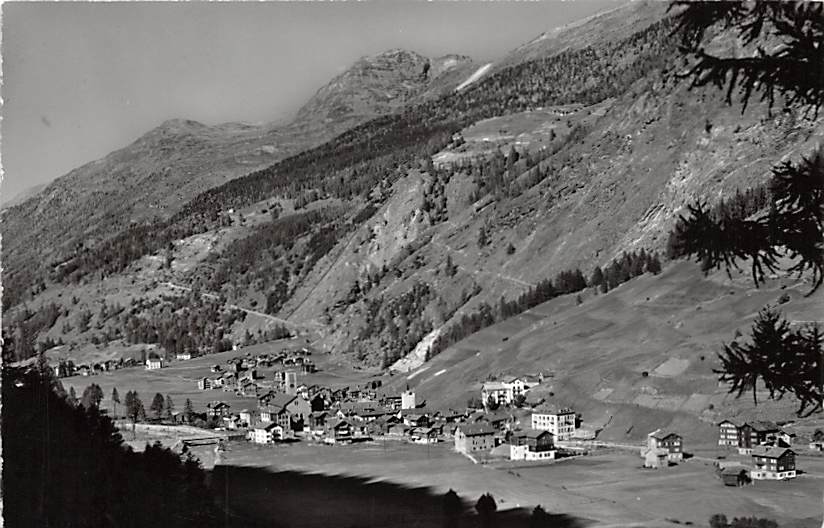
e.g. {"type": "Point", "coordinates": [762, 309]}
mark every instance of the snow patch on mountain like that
{"type": "Point", "coordinates": [480, 72]}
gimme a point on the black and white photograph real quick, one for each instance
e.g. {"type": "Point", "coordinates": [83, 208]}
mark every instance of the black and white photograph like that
{"type": "Point", "coordinates": [412, 264]}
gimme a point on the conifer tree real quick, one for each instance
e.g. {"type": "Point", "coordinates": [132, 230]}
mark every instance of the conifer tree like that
{"type": "Point", "coordinates": [785, 360]}
{"type": "Point", "coordinates": [115, 401]}
{"type": "Point", "coordinates": [169, 408]}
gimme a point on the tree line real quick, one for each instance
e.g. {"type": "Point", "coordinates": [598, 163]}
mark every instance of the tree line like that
{"type": "Point", "coordinates": [620, 270]}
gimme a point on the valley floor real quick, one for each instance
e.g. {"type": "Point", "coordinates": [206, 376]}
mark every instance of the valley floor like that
{"type": "Point", "coordinates": [303, 483]}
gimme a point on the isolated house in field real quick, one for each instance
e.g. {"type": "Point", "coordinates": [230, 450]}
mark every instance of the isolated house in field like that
{"type": "Point", "coordinates": [532, 444]}
{"type": "Point", "coordinates": [655, 458]}
{"type": "Point", "coordinates": [154, 363]}
{"type": "Point", "coordinates": [735, 476]}
{"type": "Point", "coordinates": [183, 356]}
{"type": "Point", "coordinates": [473, 438]}
{"type": "Point", "coordinates": [773, 463]}
{"type": "Point", "coordinates": [561, 423]}
{"type": "Point", "coordinates": [669, 441]}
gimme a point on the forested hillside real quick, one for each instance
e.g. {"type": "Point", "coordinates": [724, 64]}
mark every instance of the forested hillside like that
{"type": "Point", "coordinates": [412, 230]}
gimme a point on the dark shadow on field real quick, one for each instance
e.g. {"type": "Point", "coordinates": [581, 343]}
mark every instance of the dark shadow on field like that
{"type": "Point", "coordinates": [289, 499]}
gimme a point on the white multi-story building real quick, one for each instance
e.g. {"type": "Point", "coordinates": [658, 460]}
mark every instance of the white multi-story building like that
{"type": "Point", "coordinates": [266, 433]}
{"type": "Point", "coordinates": [408, 400]}
{"type": "Point", "coordinates": [154, 363]}
{"type": "Point", "coordinates": [561, 423]}
{"type": "Point", "coordinates": [503, 392]}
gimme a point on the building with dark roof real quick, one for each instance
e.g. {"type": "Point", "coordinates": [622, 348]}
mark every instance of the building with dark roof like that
{"type": "Point", "coordinates": [472, 438]}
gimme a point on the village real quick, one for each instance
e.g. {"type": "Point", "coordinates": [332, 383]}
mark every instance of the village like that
{"type": "Point", "coordinates": [503, 423]}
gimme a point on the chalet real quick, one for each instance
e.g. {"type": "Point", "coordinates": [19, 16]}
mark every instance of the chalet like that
{"type": "Point", "coordinates": [217, 409]}
{"type": "Point", "coordinates": [672, 442]}
{"type": "Point", "coordinates": [533, 444]}
{"type": "Point", "coordinates": [204, 384]}
{"type": "Point", "coordinates": [728, 433]}
{"type": "Point", "coordinates": [216, 382]}
{"type": "Point", "coordinates": [392, 402]}
{"type": "Point", "coordinates": [655, 458]}
{"type": "Point", "coordinates": [735, 476]}
{"type": "Point", "coordinates": [216, 368]}
{"type": "Point", "coordinates": [248, 388]}
{"type": "Point", "coordinates": [317, 420]}
{"type": "Point", "coordinates": [561, 422]}
{"type": "Point", "coordinates": [424, 435]}
{"type": "Point", "coordinates": [267, 433]}
{"type": "Point", "coordinates": [183, 356]}
{"type": "Point", "coordinates": [398, 430]}
{"type": "Point", "coordinates": [416, 420]}
{"type": "Point", "coordinates": [756, 433]}
{"type": "Point", "coordinates": [773, 463]}
{"type": "Point", "coordinates": [247, 417]}
{"type": "Point", "coordinates": [232, 422]}
{"type": "Point", "coordinates": [154, 363]}
{"type": "Point", "coordinates": [338, 431]}
{"type": "Point", "coordinates": [473, 438]}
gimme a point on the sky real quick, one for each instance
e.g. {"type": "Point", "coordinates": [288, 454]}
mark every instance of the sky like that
{"type": "Point", "coordinates": [83, 79]}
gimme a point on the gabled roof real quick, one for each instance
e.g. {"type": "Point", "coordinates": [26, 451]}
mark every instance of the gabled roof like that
{"type": "Point", "coordinates": [736, 423]}
{"type": "Point", "coordinates": [733, 470]}
{"type": "Point", "coordinates": [478, 429]}
{"type": "Point", "coordinates": [661, 434]}
{"type": "Point", "coordinates": [770, 451]}
{"type": "Point", "coordinates": [494, 385]}
{"type": "Point", "coordinates": [763, 426]}
{"type": "Point", "coordinates": [278, 400]}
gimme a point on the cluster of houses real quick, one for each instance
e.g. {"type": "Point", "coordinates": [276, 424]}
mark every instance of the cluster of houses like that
{"type": "Point", "coordinates": [241, 375]}
{"type": "Point", "coordinates": [67, 368]}
{"type": "Point", "coordinates": [508, 390]}
{"type": "Point", "coordinates": [765, 442]}
{"type": "Point", "coordinates": [483, 432]}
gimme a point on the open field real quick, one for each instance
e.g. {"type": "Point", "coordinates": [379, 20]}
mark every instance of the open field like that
{"type": "Point", "coordinates": [608, 488]}
{"type": "Point", "coordinates": [179, 379]}
{"type": "Point", "coordinates": [630, 361]}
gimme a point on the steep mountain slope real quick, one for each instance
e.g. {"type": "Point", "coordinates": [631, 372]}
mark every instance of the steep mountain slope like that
{"type": "Point", "coordinates": [449, 205]}
{"type": "Point", "coordinates": [162, 170]}
{"type": "Point", "coordinates": [632, 360]}
{"type": "Point", "coordinates": [617, 185]}
{"type": "Point", "coordinates": [380, 84]}
{"type": "Point", "coordinates": [602, 28]}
